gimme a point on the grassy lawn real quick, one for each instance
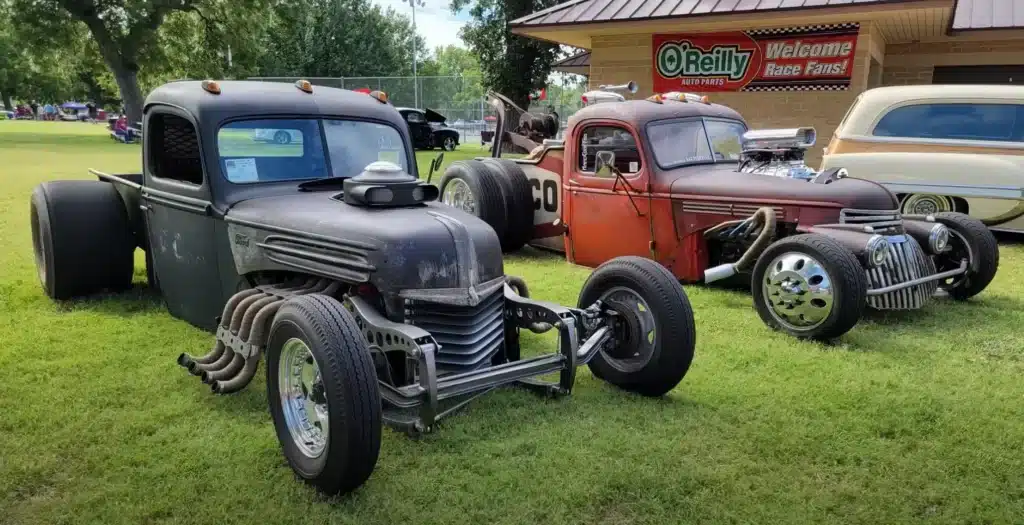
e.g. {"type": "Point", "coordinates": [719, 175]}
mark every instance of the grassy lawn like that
{"type": "Point", "coordinates": [913, 417]}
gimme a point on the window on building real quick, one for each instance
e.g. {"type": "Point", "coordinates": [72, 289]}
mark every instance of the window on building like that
{"type": "Point", "coordinates": [959, 121]}
{"type": "Point", "coordinates": [173, 149]}
{"type": "Point", "coordinates": [609, 138]}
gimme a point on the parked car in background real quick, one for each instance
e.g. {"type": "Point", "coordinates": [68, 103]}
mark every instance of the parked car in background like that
{"type": "Point", "coordinates": [939, 148]}
{"type": "Point", "coordinates": [428, 129]}
{"type": "Point", "coordinates": [277, 136]}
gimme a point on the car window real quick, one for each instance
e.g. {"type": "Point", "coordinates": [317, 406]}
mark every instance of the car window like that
{"type": "Point", "coordinates": [414, 117]}
{"type": "Point", "coordinates": [611, 138]}
{"type": "Point", "coordinates": [956, 121]}
{"type": "Point", "coordinates": [271, 150]}
{"type": "Point", "coordinates": [680, 142]}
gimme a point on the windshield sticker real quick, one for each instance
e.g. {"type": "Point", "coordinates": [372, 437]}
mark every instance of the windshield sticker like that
{"type": "Point", "coordinates": [634, 166]}
{"type": "Point", "coordinates": [241, 170]}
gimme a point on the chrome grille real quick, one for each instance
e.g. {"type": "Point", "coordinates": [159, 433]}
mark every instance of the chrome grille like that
{"type": "Point", "coordinates": [885, 222]}
{"type": "Point", "coordinates": [905, 261]}
{"type": "Point", "coordinates": [468, 336]}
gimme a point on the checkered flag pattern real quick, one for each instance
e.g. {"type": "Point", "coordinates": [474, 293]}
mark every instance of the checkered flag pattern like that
{"type": "Point", "coordinates": [799, 30]}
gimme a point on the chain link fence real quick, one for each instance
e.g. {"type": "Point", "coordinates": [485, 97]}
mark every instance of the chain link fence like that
{"type": "Point", "coordinates": [460, 99]}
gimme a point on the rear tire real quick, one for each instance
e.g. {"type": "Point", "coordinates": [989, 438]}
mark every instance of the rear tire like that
{"type": "Point", "coordinates": [518, 202]}
{"type": "Point", "coordinates": [81, 238]}
{"type": "Point", "coordinates": [817, 289]}
{"type": "Point", "coordinates": [971, 236]}
{"type": "Point", "coordinates": [654, 343]}
{"type": "Point", "coordinates": [488, 200]}
{"type": "Point", "coordinates": [347, 447]}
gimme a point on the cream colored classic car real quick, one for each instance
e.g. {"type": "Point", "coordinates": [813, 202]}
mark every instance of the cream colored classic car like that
{"type": "Point", "coordinates": [939, 148]}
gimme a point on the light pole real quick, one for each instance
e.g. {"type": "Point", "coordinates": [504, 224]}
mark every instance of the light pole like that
{"type": "Point", "coordinates": [415, 82]}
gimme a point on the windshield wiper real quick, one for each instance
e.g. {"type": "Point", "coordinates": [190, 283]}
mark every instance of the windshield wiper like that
{"type": "Point", "coordinates": [321, 184]}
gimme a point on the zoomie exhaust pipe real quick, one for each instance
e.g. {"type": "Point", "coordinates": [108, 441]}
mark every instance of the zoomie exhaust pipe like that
{"type": "Point", "coordinates": [763, 218]}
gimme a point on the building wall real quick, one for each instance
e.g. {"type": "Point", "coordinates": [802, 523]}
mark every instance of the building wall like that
{"type": "Point", "coordinates": [620, 58]}
{"type": "Point", "coordinates": [913, 63]}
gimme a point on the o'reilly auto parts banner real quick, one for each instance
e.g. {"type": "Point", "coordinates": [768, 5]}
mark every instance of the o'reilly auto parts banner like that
{"type": "Point", "coordinates": [809, 58]}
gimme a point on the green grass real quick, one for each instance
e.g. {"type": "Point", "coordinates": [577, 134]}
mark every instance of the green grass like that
{"type": "Point", "coordinates": [913, 417]}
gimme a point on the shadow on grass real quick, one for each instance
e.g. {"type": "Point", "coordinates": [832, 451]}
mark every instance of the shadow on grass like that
{"type": "Point", "coordinates": [139, 299]}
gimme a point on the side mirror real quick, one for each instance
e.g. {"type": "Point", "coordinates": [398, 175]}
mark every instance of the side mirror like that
{"type": "Point", "coordinates": [434, 166]}
{"type": "Point", "coordinates": [605, 163]}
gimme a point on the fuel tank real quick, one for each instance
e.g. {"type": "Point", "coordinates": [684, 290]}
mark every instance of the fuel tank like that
{"type": "Point", "coordinates": [425, 251]}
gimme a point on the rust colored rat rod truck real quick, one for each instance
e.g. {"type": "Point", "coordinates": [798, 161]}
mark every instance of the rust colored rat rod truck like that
{"type": "Point", "coordinates": [371, 301]}
{"type": "Point", "coordinates": [682, 181]}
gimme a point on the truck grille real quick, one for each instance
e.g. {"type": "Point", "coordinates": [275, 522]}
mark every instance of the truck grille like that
{"type": "Point", "coordinates": [884, 222]}
{"type": "Point", "coordinates": [468, 336]}
{"type": "Point", "coordinates": [906, 261]}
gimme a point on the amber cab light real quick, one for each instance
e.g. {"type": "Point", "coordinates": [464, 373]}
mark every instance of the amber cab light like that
{"type": "Point", "coordinates": [381, 96]}
{"type": "Point", "coordinates": [304, 85]}
{"type": "Point", "coordinates": [211, 86]}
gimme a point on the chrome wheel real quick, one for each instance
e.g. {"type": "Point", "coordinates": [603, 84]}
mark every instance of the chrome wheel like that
{"type": "Point", "coordinates": [282, 137]}
{"type": "Point", "coordinates": [449, 144]}
{"type": "Point", "coordinates": [303, 399]}
{"type": "Point", "coordinates": [957, 250]}
{"type": "Point", "coordinates": [926, 204]}
{"type": "Point", "coordinates": [634, 335]}
{"type": "Point", "coordinates": [798, 291]}
{"type": "Point", "coordinates": [458, 194]}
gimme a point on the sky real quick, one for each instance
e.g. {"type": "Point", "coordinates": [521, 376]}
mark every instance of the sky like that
{"type": "Point", "coordinates": [434, 21]}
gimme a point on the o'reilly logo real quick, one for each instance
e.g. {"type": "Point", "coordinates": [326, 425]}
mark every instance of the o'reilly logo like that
{"type": "Point", "coordinates": [675, 59]}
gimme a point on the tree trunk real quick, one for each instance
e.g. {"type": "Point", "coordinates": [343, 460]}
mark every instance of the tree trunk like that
{"type": "Point", "coordinates": [5, 97]}
{"type": "Point", "coordinates": [131, 94]}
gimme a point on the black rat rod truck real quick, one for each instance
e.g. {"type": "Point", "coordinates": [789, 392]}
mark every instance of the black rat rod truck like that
{"type": "Point", "coordinates": [371, 301]}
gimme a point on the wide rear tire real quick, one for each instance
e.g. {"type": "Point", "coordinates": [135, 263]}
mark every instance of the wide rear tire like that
{"type": "Point", "coordinates": [654, 339]}
{"type": "Point", "coordinates": [316, 332]}
{"type": "Point", "coordinates": [518, 202]}
{"type": "Point", "coordinates": [81, 238]}
{"type": "Point", "coordinates": [475, 179]}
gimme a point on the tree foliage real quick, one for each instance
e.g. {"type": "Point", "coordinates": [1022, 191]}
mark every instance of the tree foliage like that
{"type": "Point", "coordinates": [511, 64]}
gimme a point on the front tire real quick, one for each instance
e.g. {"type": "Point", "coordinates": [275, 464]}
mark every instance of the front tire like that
{"type": "Point", "coordinates": [654, 334]}
{"type": "Point", "coordinates": [448, 144]}
{"type": "Point", "coordinates": [282, 137]}
{"type": "Point", "coordinates": [470, 186]}
{"type": "Point", "coordinates": [969, 239]}
{"type": "Point", "coordinates": [322, 392]}
{"type": "Point", "coordinates": [810, 287]}
{"type": "Point", "coordinates": [81, 238]}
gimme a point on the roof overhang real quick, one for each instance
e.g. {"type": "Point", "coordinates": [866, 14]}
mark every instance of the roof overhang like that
{"type": "Point", "coordinates": [898, 20]}
{"type": "Point", "coordinates": [578, 64]}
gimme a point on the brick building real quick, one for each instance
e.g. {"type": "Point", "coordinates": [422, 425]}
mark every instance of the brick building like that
{"type": "Point", "coordinates": [806, 60]}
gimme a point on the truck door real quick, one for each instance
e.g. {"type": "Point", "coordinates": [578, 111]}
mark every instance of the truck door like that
{"type": "Point", "coordinates": [182, 230]}
{"type": "Point", "coordinates": [608, 215]}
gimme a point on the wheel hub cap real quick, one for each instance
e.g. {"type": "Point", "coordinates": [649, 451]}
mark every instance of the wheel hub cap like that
{"type": "Point", "coordinates": [303, 398]}
{"type": "Point", "coordinates": [458, 194]}
{"type": "Point", "coordinates": [798, 291]}
{"type": "Point", "coordinates": [634, 336]}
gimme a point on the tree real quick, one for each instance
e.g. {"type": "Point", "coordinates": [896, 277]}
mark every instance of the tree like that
{"type": "Point", "coordinates": [511, 64]}
{"type": "Point", "coordinates": [125, 31]}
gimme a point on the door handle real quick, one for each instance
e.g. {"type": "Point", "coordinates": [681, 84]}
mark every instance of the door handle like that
{"type": "Point", "coordinates": [145, 207]}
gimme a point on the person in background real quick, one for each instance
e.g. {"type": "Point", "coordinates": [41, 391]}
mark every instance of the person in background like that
{"type": "Point", "coordinates": [91, 107]}
{"type": "Point", "coordinates": [35, 109]}
{"type": "Point", "coordinates": [48, 111]}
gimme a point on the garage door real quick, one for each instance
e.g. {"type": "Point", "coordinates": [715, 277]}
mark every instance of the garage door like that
{"type": "Point", "coordinates": [978, 75]}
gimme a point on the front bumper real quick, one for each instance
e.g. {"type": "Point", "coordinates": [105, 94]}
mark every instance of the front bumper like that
{"type": "Point", "coordinates": [907, 279]}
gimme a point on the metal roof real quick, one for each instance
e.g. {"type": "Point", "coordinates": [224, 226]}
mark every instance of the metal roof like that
{"type": "Point", "coordinates": [584, 11]}
{"type": "Point", "coordinates": [577, 60]}
{"type": "Point", "coordinates": [988, 14]}
{"type": "Point", "coordinates": [969, 14]}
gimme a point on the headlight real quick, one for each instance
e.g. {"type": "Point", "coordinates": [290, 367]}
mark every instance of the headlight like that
{"type": "Point", "coordinates": [938, 238]}
{"type": "Point", "coordinates": [877, 249]}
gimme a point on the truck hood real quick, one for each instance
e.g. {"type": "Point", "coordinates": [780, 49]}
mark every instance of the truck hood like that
{"type": "Point", "coordinates": [722, 180]}
{"type": "Point", "coordinates": [440, 250]}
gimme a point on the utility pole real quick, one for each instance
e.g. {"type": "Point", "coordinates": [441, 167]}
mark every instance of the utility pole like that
{"type": "Point", "coordinates": [415, 80]}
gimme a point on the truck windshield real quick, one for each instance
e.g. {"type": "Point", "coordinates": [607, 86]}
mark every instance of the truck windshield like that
{"type": "Point", "coordinates": [681, 142]}
{"type": "Point", "coordinates": [274, 150]}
